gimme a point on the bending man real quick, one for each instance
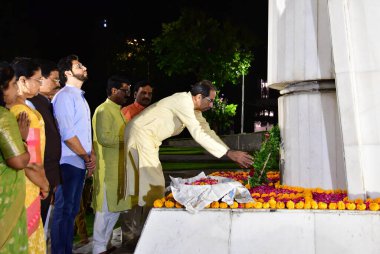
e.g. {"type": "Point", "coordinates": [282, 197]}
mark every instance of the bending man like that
{"type": "Point", "coordinates": [163, 119]}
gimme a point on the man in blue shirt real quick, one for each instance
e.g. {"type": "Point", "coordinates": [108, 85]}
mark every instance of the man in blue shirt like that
{"type": "Point", "coordinates": [74, 120]}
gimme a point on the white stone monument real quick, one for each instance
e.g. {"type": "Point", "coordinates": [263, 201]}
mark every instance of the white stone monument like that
{"type": "Point", "coordinates": [324, 56]}
{"type": "Point", "coordinates": [331, 140]}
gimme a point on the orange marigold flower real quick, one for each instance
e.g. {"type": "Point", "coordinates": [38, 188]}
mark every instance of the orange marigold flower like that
{"type": "Point", "coordinates": [377, 200]}
{"type": "Point", "coordinates": [208, 206]}
{"type": "Point", "coordinates": [234, 205]}
{"type": "Point", "coordinates": [307, 205]}
{"type": "Point", "coordinates": [249, 205]}
{"type": "Point", "coordinates": [322, 205]}
{"type": "Point", "coordinates": [359, 201]}
{"type": "Point", "coordinates": [361, 206]}
{"type": "Point", "coordinates": [300, 205]}
{"type": "Point", "coordinates": [163, 199]}
{"type": "Point", "coordinates": [290, 204]}
{"type": "Point", "coordinates": [248, 186]}
{"type": "Point", "coordinates": [170, 195]}
{"type": "Point", "coordinates": [178, 205]}
{"type": "Point", "coordinates": [341, 205]}
{"type": "Point", "coordinates": [215, 204]}
{"type": "Point", "coordinates": [333, 206]}
{"type": "Point", "coordinates": [223, 205]}
{"type": "Point", "coordinates": [308, 199]}
{"type": "Point", "coordinates": [158, 203]}
{"type": "Point", "coordinates": [169, 204]}
{"type": "Point", "coordinates": [374, 207]}
{"type": "Point", "coordinates": [272, 203]}
{"type": "Point", "coordinates": [280, 205]}
{"type": "Point", "coordinates": [308, 195]}
{"type": "Point", "coordinates": [258, 205]}
{"type": "Point", "coordinates": [314, 204]}
{"type": "Point", "coordinates": [319, 190]}
{"type": "Point", "coordinates": [350, 206]}
{"type": "Point", "coordinates": [266, 205]}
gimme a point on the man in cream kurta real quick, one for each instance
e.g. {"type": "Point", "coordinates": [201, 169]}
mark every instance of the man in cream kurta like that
{"type": "Point", "coordinates": [166, 118]}
{"type": "Point", "coordinates": [109, 182]}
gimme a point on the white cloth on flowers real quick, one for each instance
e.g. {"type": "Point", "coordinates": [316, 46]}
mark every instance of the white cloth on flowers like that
{"type": "Point", "coordinates": [196, 197]}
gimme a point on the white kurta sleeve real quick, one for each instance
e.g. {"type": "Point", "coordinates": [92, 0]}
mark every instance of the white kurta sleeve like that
{"type": "Point", "coordinates": [199, 128]}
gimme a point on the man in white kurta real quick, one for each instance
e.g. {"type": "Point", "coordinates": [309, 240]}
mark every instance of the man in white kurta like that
{"type": "Point", "coordinates": [166, 118]}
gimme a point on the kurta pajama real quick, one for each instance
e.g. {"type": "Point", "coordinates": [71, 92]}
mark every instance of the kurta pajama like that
{"type": "Point", "coordinates": [109, 181]}
{"type": "Point", "coordinates": [144, 135]}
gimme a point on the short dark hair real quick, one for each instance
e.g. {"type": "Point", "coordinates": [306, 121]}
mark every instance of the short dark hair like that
{"type": "Point", "coordinates": [115, 81]}
{"type": "Point", "coordinates": [142, 83]}
{"type": "Point", "coordinates": [66, 64]}
{"type": "Point", "coordinates": [6, 75]}
{"type": "Point", "coordinates": [24, 66]}
{"type": "Point", "coordinates": [202, 87]}
{"type": "Point", "coordinates": [47, 66]}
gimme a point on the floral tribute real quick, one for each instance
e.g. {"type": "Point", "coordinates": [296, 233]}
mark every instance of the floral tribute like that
{"type": "Point", "coordinates": [273, 195]}
{"type": "Point", "coordinates": [267, 158]}
{"type": "Point", "coordinates": [204, 181]}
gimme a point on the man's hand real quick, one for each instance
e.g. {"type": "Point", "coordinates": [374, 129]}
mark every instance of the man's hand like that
{"type": "Point", "coordinates": [242, 158]}
{"type": "Point", "coordinates": [90, 162]}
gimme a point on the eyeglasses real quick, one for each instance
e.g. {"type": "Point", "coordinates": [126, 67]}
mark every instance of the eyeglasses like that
{"type": "Point", "coordinates": [55, 80]}
{"type": "Point", "coordinates": [37, 79]}
{"type": "Point", "coordinates": [79, 66]}
{"type": "Point", "coordinates": [124, 90]}
{"type": "Point", "coordinates": [209, 100]}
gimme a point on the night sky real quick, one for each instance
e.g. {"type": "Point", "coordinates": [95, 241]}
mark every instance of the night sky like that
{"type": "Point", "coordinates": [46, 30]}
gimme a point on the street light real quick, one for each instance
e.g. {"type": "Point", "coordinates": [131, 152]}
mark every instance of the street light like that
{"type": "Point", "coordinates": [242, 106]}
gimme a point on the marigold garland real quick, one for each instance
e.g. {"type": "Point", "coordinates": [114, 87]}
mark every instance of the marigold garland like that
{"type": "Point", "coordinates": [273, 195]}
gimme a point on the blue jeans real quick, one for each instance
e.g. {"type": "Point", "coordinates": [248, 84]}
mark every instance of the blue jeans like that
{"type": "Point", "coordinates": [66, 207]}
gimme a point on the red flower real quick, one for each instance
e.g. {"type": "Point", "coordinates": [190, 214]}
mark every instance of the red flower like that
{"type": "Point", "coordinates": [252, 172]}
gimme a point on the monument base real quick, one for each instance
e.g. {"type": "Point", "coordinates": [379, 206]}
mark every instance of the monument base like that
{"type": "Point", "coordinates": [260, 231]}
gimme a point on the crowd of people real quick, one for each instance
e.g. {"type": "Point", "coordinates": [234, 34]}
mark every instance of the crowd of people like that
{"type": "Point", "coordinates": [49, 146]}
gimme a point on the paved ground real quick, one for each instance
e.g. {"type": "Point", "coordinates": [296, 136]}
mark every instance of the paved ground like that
{"type": "Point", "coordinates": [116, 241]}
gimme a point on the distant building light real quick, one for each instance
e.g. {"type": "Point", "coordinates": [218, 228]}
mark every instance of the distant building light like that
{"type": "Point", "coordinates": [105, 23]}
